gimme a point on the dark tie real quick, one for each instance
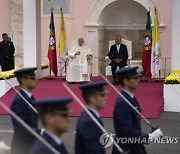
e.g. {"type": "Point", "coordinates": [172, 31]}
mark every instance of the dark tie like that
{"type": "Point", "coordinates": [32, 100]}
{"type": "Point", "coordinates": [136, 102]}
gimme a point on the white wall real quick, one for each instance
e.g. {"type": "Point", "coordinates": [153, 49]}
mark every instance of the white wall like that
{"type": "Point", "coordinates": [176, 34]}
{"type": "Point", "coordinates": [32, 33]}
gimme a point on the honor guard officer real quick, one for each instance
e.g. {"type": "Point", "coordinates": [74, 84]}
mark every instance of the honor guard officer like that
{"type": "Point", "coordinates": [54, 115]}
{"type": "Point", "coordinates": [126, 120]}
{"type": "Point", "coordinates": [22, 139]}
{"type": "Point", "coordinates": [87, 132]}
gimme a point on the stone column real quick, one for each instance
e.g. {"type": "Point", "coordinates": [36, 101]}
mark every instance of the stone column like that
{"type": "Point", "coordinates": [175, 34]}
{"type": "Point", "coordinates": [32, 33]}
{"type": "Point", "coordinates": [16, 29]}
{"type": "Point", "coordinates": [92, 34]}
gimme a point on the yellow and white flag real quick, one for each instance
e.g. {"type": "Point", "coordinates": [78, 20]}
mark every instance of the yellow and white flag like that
{"type": "Point", "coordinates": [155, 52]}
{"type": "Point", "coordinates": [62, 40]}
{"type": "Point", "coordinates": [62, 46]}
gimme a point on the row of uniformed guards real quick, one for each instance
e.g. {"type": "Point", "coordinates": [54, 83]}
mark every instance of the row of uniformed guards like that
{"type": "Point", "coordinates": [54, 115]}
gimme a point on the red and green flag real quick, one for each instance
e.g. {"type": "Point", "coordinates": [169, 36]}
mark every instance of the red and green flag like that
{"type": "Point", "coordinates": [146, 58]}
{"type": "Point", "coordinates": [52, 47]}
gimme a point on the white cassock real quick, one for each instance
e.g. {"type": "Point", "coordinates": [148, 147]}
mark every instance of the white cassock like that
{"type": "Point", "coordinates": [78, 68]}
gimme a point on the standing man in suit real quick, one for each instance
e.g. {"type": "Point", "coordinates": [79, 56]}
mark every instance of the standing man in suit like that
{"type": "Point", "coordinates": [118, 55]}
{"type": "Point", "coordinates": [87, 132]}
{"type": "Point", "coordinates": [6, 53]}
{"type": "Point", "coordinates": [11, 56]}
{"type": "Point", "coordinates": [54, 115]}
{"type": "Point", "coordinates": [22, 138]}
{"type": "Point", "coordinates": [126, 120]}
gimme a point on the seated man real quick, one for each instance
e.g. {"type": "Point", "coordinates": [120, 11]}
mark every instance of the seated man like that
{"type": "Point", "coordinates": [118, 55]}
{"type": "Point", "coordinates": [78, 69]}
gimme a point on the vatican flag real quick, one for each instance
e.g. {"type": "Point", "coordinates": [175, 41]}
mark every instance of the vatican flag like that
{"type": "Point", "coordinates": [62, 46]}
{"type": "Point", "coordinates": [155, 52]}
{"type": "Point", "coordinates": [62, 42]}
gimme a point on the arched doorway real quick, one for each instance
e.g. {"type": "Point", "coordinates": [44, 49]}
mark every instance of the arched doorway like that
{"type": "Point", "coordinates": [110, 17]}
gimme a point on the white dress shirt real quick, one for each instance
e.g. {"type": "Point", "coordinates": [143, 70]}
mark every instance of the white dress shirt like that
{"type": "Point", "coordinates": [118, 46]}
{"type": "Point", "coordinates": [130, 94]}
{"type": "Point", "coordinates": [94, 111]}
{"type": "Point", "coordinates": [27, 93]}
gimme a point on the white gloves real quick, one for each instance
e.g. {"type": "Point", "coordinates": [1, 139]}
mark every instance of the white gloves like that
{"type": "Point", "coordinates": [155, 134]}
{"type": "Point", "coordinates": [4, 149]}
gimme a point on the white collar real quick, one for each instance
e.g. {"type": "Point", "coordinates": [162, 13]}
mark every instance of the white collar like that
{"type": "Point", "coordinates": [94, 111]}
{"type": "Point", "coordinates": [118, 44]}
{"type": "Point", "coordinates": [130, 94]}
{"type": "Point", "coordinates": [54, 137]}
{"type": "Point", "coordinates": [27, 93]}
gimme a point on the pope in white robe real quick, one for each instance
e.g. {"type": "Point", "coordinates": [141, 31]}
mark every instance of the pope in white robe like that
{"type": "Point", "coordinates": [78, 65]}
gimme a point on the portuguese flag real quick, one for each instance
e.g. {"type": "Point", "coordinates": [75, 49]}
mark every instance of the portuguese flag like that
{"type": "Point", "coordinates": [146, 58]}
{"type": "Point", "coordinates": [52, 46]}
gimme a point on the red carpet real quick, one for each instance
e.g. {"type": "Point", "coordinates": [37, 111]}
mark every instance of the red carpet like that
{"type": "Point", "coordinates": [149, 95]}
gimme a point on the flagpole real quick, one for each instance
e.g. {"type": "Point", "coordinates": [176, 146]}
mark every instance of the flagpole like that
{"type": "Point", "coordinates": [59, 47]}
{"type": "Point", "coordinates": [159, 79]}
{"type": "Point", "coordinates": [50, 77]}
{"type": "Point", "coordinates": [165, 69]}
{"type": "Point", "coordinates": [51, 3]}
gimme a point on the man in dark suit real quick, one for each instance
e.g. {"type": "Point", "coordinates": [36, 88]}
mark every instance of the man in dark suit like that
{"type": "Point", "coordinates": [118, 55]}
{"type": "Point", "coordinates": [54, 114]}
{"type": "Point", "coordinates": [87, 132]}
{"type": "Point", "coordinates": [6, 53]}
{"type": "Point", "coordinates": [22, 139]}
{"type": "Point", "coordinates": [126, 120]}
{"type": "Point", "coordinates": [11, 57]}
